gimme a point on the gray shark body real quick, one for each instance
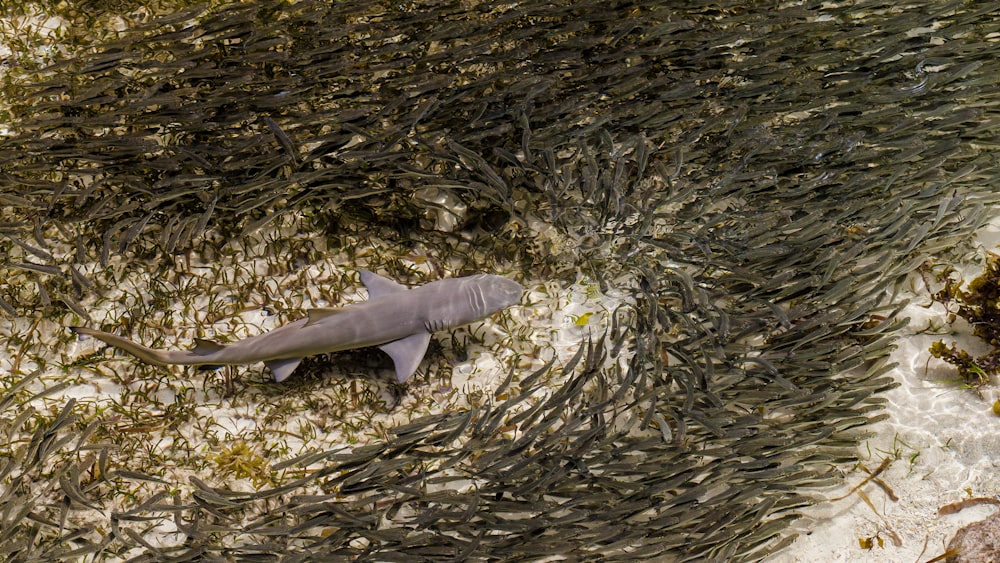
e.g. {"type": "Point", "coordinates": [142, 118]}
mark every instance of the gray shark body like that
{"type": "Point", "coordinates": [396, 319]}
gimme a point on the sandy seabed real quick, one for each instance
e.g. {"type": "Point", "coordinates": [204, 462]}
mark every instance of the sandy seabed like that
{"type": "Point", "coordinates": [941, 441]}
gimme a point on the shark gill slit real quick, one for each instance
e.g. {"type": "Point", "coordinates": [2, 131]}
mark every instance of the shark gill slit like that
{"type": "Point", "coordinates": [477, 301]}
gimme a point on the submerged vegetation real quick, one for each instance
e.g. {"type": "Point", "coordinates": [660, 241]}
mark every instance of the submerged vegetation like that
{"type": "Point", "coordinates": [978, 305]}
{"type": "Point", "coordinates": [711, 206]}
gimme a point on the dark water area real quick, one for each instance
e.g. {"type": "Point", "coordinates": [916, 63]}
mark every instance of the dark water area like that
{"type": "Point", "coordinates": [760, 180]}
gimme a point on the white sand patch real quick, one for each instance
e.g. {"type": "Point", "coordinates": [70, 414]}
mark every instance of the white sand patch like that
{"type": "Point", "coordinates": [942, 441]}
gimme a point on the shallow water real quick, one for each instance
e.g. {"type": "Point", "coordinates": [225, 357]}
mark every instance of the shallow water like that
{"type": "Point", "coordinates": [712, 206]}
{"type": "Point", "coordinates": [941, 439]}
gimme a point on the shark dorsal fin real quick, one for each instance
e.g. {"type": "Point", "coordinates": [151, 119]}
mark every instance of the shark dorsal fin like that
{"type": "Point", "coordinates": [204, 347]}
{"type": "Point", "coordinates": [317, 315]}
{"type": "Point", "coordinates": [379, 286]}
{"type": "Point", "coordinates": [406, 353]}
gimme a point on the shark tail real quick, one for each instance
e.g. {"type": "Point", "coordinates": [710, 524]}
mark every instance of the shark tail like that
{"type": "Point", "coordinates": [148, 355]}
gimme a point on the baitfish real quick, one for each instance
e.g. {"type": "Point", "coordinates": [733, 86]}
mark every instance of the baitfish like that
{"type": "Point", "coordinates": [395, 318]}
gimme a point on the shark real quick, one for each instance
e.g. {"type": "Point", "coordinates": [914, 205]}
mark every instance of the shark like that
{"type": "Point", "coordinates": [395, 318]}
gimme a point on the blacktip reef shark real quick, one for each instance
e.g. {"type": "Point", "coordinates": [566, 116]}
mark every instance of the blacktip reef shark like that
{"type": "Point", "coordinates": [395, 318]}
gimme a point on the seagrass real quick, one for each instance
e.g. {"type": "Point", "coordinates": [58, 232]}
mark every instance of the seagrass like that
{"type": "Point", "coordinates": [759, 180]}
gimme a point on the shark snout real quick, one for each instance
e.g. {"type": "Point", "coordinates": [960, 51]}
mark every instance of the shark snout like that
{"type": "Point", "coordinates": [505, 292]}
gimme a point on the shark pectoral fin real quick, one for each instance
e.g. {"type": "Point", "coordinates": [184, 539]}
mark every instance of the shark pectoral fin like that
{"type": "Point", "coordinates": [379, 286]}
{"type": "Point", "coordinates": [282, 368]}
{"type": "Point", "coordinates": [406, 353]}
{"type": "Point", "coordinates": [204, 347]}
{"type": "Point", "coordinates": [317, 315]}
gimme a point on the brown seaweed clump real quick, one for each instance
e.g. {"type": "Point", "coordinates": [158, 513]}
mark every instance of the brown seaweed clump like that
{"type": "Point", "coordinates": [979, 305]}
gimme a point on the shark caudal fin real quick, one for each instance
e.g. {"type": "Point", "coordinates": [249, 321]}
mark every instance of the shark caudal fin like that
{"type": "Point", "coordinates": [201, 355]}
{"type": "Point", "coordinates": [148, 355]}
{"type": "Point", "coordinates": [406, 353]}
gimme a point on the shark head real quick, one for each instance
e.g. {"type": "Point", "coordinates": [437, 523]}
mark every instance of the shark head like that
{"type": "Point", "coordinates": [469, 299]}
{"type": "Point", "coordinates": [500, 293]}
{"type": "Point", "coordinates": [447, 303]}
{"type": "Point", "coordinates": [487, 294]}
